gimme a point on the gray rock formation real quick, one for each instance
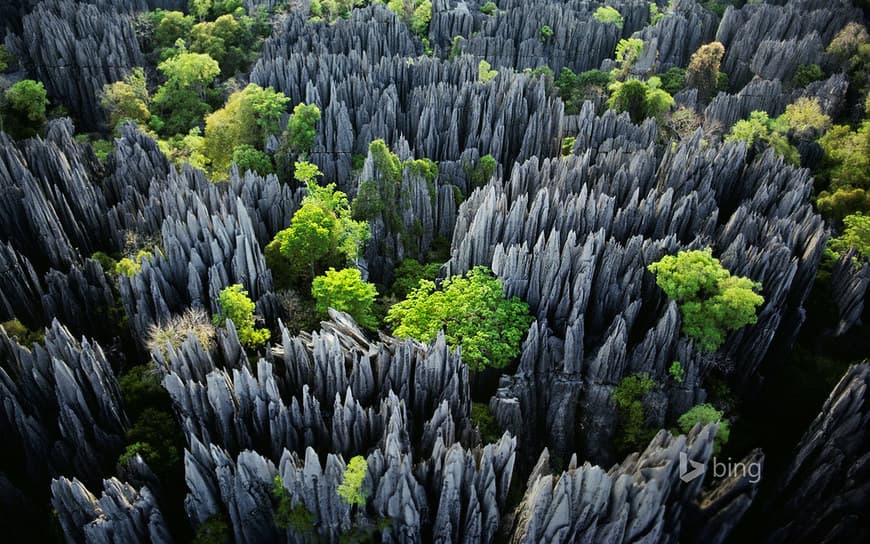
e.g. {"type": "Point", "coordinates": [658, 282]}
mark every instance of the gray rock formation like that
{"type": "Point", "coordinates": [822, 494]}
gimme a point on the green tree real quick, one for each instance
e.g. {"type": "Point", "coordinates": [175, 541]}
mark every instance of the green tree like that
{"type": "Point", "coordinates": [322, 234]}
{"type": "Point", "coordinates": [640, 99]}
{"type": "Point", "coordinates": [351, 488]}
{"type": "Point", "coordinates": [489, 8]}
{"type": "Point", "coordinates": [306, 172]}
{"type": "Point", "coordinates": [248, 157]}
{"type": "Point", "coordinates": [195, 70]}
{"type": "Point", "coordinates": [546, 33]}
{"type": "Point", "coordinates": [172, 27]}
{"type": "Point", "coordinates": [23, 112]}
{"type": "Point", "coordinates": [302, 127]}
{"type": "Point", "coordinates": [575, 89]}
{"type": "Point", "coordinates": [609, 15]}
{"type": "Point", "coordinates": [856, 234]}
{"type": "Point", "coordinates": [180, 102]}
{"type": "Point", "coordinates": [236, 306]}
{"type": "Point", "coordinates": [215, 529]}
{"type": "Point", "coordinates": [759, 130]}
{"type": "Point", "coordinates": [409, 273]}
{"type": "Point", "coordinates": [199, 8]}
{"type": "Point", "coordinates": [414, 13]}
{"type": "Point", "coordinates": [706, 414]}
{"type": "Point", "coordinates": [628, 395]}
{"type": "Point", "coordinates": [345, 291]}
{"type": "Point", "coordinates": [627, 53]}
{"type": "Point", "coordinates": [846, 166]}
{"type": "Point", "coordinates": [703, 71]}
{"type": "Point", "coordinates": [806, 74]}
{"type": "Point", "coordinates": [127, 100]}
{"type": "Point", "coordinates": [673, 80]}
{"type": "Point", "coordinates": [6, 58]}
{"type": "Point", "coordinates": [711, 300]}
{"type": "Point", "coordinates": [286, 515]}
{"type": "Point", "coordinates": [482, 172]}
{"type": "Point", "coordinates": [485, 72]}
{"type": "Point", "coordinates": [472, 311]}
{"type": "Point", "coordinates": [677, 372]}
{"type": "Point", "coordinates": [805, 118]}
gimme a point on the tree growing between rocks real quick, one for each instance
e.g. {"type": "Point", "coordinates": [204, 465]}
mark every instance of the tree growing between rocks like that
{"type": "Point", "coordinates": [703, 71]}
{"type": "Point", "coordinates": [236, 306]}
{"type": "Point", "coordinates": [712, 302]}
{"type": "Point", "coordinates": [344, 290]}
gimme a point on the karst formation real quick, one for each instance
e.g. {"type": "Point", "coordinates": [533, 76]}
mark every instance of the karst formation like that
{"type": "Point", "coordinates": [452, 271]}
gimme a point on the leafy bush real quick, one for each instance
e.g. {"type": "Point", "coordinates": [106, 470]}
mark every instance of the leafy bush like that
{"type": "Point", "coordinates": [409, 273]}
{"type": "Point", "coordinates": [706, 414]}
{"type": "Point", "coordinates": [640, 99]}
{"type": "Point", "coordinates": [175, 331]}
{"type": "Point", "coordinates": [677, 372]}
{"type": "Point", "coordinates": [472, 311]}
{"type": "Point", "coordinates": [24, 336]}
{"type": "Point", "coordinates": [351, 488]}
{"type": "Point", "coordinates": [703, 71]}
{"type": "Point", "coordinates": [127, 100]}
{"type": "Point", "coordinates": [247, 157]}
{"type": "Point", "coordinates": [575, 89]}
{"type": "Point", "coordinates": [215, 529]}
{"type": "Point", "coordinates": [760, 130]}
{"type": "Point", "coordinates": [805, 118]}
{"type": "Point", "coordinates": [609, 15]}
{"type": "Point", "coordinates": [415, 13]}
{"type": "Point", "coordinates": [806, 74]}
{"type": "Point", "coordinates": [628, 397]}
{"type": "Point", "coordinates": [322, 234]}
{"type": "Point", "coordinates": [302, 127]}
{"type": "Point", "coordinates": [286, 515]}
{"type": "Point", "coordinates": [345, 291]}
{"type": "Point", "coordinates": [856, 234]}
{"type": "Point", "coordinates": [626, 54]}
{"type": "Point", "coordinates": [673, 79]}
{"type": "Point", "coordinates": [23, 112]}
{"type": "Point", "coordinates": [482, 171]}
{"type": "Point", "coordinates": [489, 8]}
{"type": "Point", "coordinates": [235, 305]}
{"type": "Point", "coordinates": [484, 71]}
{"type": "Point", "coordinates": [711, 300]}
{"type": "Point", "coordinates": [568, 145]}
{"type": "Point", "coordinates": [546, 33]}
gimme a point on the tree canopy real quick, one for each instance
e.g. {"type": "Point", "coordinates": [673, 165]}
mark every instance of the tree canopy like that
{"type": "Point", "coordinates": [345, 291]}
{"type": "Point", "coordinates": [711, 300]}
{"type": "Point", "coordinates": [351, 488]}
{"type": "Point", "coordinates": [23, 111]}
{"type": "Point", "coordinates": [706, 414]}
{"type": "Point", "coordinates": [236, 306]}
{"type": "Point", "coordinates": [703, 71]}
{"type": "Point", "coordinates": [473, 313]}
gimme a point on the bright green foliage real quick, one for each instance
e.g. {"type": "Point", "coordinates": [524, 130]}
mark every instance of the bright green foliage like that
{"type": "Point", "coordinates": [848, 41]}
{"type": "Point", "coordinates": [409, 273]}
{"type": "Point", "coordinates": [568, 145]}
{"type": "Point", "coordinates": [609, 15]}
{"type": "Point", "coordinates": [677, 372]}
{"type": "Point", "coordinates": [706, 414]}
{"type": "Point", "coordinates": [248, 157]}
{"type": "Point", "coordinates": [806, 74]}
{"type": "Point", "coordinates": [130, 266]}
{"type": "Point", "coordinates": [804, 116]}
{"type": "Point", "coordinates": [627, 53]}
{"type": "Point", "coordinates": [711, 300]}
{"type": "Point", "coordinates": [24, 336]}
{"type": "Point", "coordinates": [673, 80]}
{"type": "Point", "coordinates": [546, 33]}
{"type": "Point", "coordinates": [482, 171]}
{"type": "Point", "coordinates": [151, 437]}
{"type": "Point", "coordinates": [215, 529]}
{"type": "Point", "coordinates": [235, 305]}
{"type": "Point", "coordinates": [306, 172]}
{"type": "Point", "coordinates": [199, 8]}
{"type": "Point", "coordinates": [286, 515]}
{"type": "Point", "coordinates": [190, 69]}
{"type": "Point", "coordinates": [482, 418]}
{"type": "Point", "coordinates": [628, 397]}
{"type": "Point", "coordinates": [127, 100]}
{"type": "Point", "coordinates": [186, 148]}
{"type": "Point", "coordinates": [703, 71]}
{"type": "Point", "coordinates": [655, 14]}
{"type": "Point", "coordinates": [344, 290]}
{"type": "Point", "coordinates": [351, 488]}
{"type": "Point", "coordinates": [23, 112]}
{"type": "Point", "coordinates": [575, 89]}
{"type": "Point", "coordinates": [489, 8]}
{"type": "Point", "coordinates": [302, 127]}
{"type": "Point", "coordinates": [485, 72]}
{"type": "Point", "coordinates": [640, 99]}
{"type": "Point", "coordinates": [847, 167]}
{"type": "Point", "coordinates": [229, 39]}
{"type": "Point", "coordinates": [473, 313]}
{"type": "Point", "coordinates": [248, 118]}
{"type": "Point", "coordinates": [180, 101]}
{"type": "Point", "coordinates": [856, 233]}
{"type": "Point", "coordinates": [414, 13]}
{"type": "Point", "coordinates": [173, 26]}
{"type": "Point", "coordinates": [388, 164]}
{"type": "Point", "coordinates": [322, 234]}
{"type": "Point", "coordinates": [759, 129]}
